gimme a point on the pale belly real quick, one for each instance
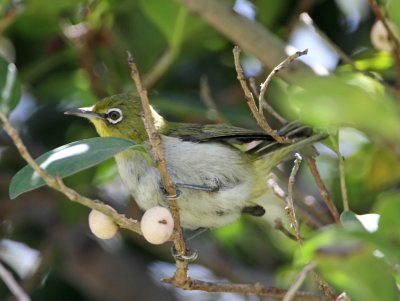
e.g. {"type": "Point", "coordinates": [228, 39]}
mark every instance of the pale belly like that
{"type": "Point", "coordinates": [194, 164]}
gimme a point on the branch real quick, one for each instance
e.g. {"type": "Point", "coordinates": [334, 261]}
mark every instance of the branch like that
{"type": "Point", "coordinates": [265, 104]}
{"type": "Point", "coordinates": [262, 123]}
{"type": "Point", "coordinates": [180, 276]}
{"type": "Point", "coordinates": [81, 36]}
{"type": "Point", "coordinates": [306, 19]}
{"type": "Point", "coordinates": [56, 183]}
{"type": "Point", "coordinates": [206, 97]}
{"type": "Point", "coordinates": [280, 227]}
{"type": "Point", "coordinates": [290, 207]}
{"type": "Point", "coordinates": [281, 194]}
{"type": "Point", "coordinates": [12, 284]}
{"type": "Point", "coordinates": [324, 287]}
{"type": "Point", "coordinates": [379, 14]}
{"type": "Point", "coordinates": [290, 295]}
{"type": "Point", "coordinates": [159, 68]}
{"type": "Point", "coordinates": [343, 187]}
{"type": "Point", "coordinates": [254, 289]}
{"type": "Point", "coordinates": [274, 71]}
{"type": "Point", "coordinates": [253, 37]}
{"type": "Point", "coordinates": [324, 192]}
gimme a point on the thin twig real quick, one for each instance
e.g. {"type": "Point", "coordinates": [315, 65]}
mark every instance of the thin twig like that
{"type": "Point", "coordinates": [170, 54]}
{"type": "Point", "coordinates": [9, 16]}
{"type": "Point", "coordinates": [265, 104]}
{"type": "Point", "coordinates": [324, 287]}
{"type": "Point", "coordinates": [343, 187]}
{"type": "Point", "coordinates": [254, 289]}
{"type": "Point", "coordinates": [262, 123]}
{"type": "Point", "coordinates": [324, 192]}
{"type": "Point", "coordinates": [280, 227]}
{"type": "Point", "coordinates": [56, 183]}
{"type": "Point", "coordinates": [159, 68]}
{"type": "Point", "coordinates": [81, 36]}
{"type": "Point", "coordinates": [250, 35]}
{"type": "Point", "coordinates": [205, 95]}
{"type": "Point", "coordinates": [379, 14]}
{"type": "Point", "coordinates": [283, 64]}
{"type": "Point", "coordinates": [281, 194]}
{"type": "Point", "coordinates": [291, 293]}
{"type": "Point", "coordinates": [290, 206]}
{"type": "Point", "coordinates": [13, 285]}
{"type": "Point", "coordinates": [180, 276]}
{"type": "Point", "coordinates": [307, 20]}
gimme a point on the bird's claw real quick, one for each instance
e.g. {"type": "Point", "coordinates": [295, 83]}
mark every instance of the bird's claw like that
{"type": "Point", "coordinates": [189, 256]}
{"type": "Point", "coordinates": [176, 196]}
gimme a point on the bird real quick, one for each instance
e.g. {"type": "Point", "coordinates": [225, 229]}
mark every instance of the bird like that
{"type": "Point", "coordinates": [220, 170]}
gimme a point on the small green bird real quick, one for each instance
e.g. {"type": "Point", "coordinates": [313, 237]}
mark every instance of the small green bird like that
{"type": "Point", "coordinates": [218, 175]}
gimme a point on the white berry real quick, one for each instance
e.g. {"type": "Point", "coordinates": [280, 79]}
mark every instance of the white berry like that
{"type": "Point", "coordinates": [102, 225]}
{"type": "Point", "coordinates": [157, 225]}
{"type": "Point", "coordinates": [380, 38]}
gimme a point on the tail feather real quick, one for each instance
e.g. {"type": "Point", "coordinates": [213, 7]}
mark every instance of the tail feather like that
{"type": "Point", "coordinates": [283, 152]}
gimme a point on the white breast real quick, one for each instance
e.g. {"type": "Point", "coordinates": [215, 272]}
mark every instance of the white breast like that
{"type": "Point", "coordinates": [195, 164]}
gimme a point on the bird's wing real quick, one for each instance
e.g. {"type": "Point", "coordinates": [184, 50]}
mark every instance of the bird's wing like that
{"type": "Point", "coordinates": [216, 132]}
{"type": "Point", "coordinates": [236, 135]}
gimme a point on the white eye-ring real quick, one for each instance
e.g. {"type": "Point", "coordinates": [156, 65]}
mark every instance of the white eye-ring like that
{"type": "Point", "coordinates": [114, 115]}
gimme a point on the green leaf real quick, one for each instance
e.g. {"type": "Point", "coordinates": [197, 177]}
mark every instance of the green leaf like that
{"type": "Point", "coordinates": [388, 206]}
{"type": "Point", "coordinates": [393, 10]}
{"type": "Point", "coordinates": [349, 219]}
{"type": "Point", "coordinates": [377, 61]}
{"type": "Point", "coordinates": [69, 159]}
{"type": "Point", "coordinates": [172, 20]}
{"type": "Point", "coordinates": [349, 260]}
{"type": "Point", "coordinates": [361, 275]}
{"type": "Point", "coordinates": [10, 87]}
{"type": "Point", "coordinates": [331, 101]}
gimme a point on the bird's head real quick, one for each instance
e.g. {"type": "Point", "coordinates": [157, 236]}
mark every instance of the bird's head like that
{"type": "Point", "coordinates": [118, 116]}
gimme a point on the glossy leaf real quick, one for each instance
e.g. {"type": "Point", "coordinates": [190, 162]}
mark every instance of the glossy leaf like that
{"type": "Point", "coordinates": [349, 260]}
{"type": "Point", "coordinates": [331, 101]}
{"type": "Point", "coordinates": [70, 159]}
{"type": "Point", "coordinates": [10, 87]}
{"type": "Point", "coordinates": [361, 275]}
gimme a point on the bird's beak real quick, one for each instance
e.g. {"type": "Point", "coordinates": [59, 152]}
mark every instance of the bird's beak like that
{"type": "Point", "coordinates": [84, 112]}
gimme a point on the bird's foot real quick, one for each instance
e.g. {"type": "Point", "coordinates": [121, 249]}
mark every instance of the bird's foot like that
{"type": "Point", "coordinates": [256, 210]}
{"type": "Point", "coordinates": [189, 256]}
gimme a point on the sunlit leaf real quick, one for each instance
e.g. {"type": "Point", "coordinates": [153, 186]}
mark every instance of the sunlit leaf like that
{"type": "Point", "coordinates": [69, 159]}
{"type": "Point", "coordinates": [10, 87]}
{"type": "Point", "coordinates": [378, 61]}
{"type": "Point", "coordinates": [332, 240]}
{"type": "Point", "coordinates": [393, 10]}
{"type": "Point", "coordinates": [330, 101]}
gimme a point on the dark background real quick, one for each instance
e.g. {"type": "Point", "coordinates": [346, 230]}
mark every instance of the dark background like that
{"type": "Point", "coordinates": [71, 53]}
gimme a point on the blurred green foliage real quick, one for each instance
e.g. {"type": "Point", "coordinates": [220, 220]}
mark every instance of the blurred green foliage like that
{"type": "Point", "coordinates": [70, 53]}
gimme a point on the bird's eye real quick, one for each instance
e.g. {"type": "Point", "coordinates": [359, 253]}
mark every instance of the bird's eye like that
{"type": "Point", "coordinates": [114, 115]}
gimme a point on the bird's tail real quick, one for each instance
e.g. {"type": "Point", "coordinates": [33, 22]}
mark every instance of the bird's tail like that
{"type": "Point", "coordinates": [271, 153]}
